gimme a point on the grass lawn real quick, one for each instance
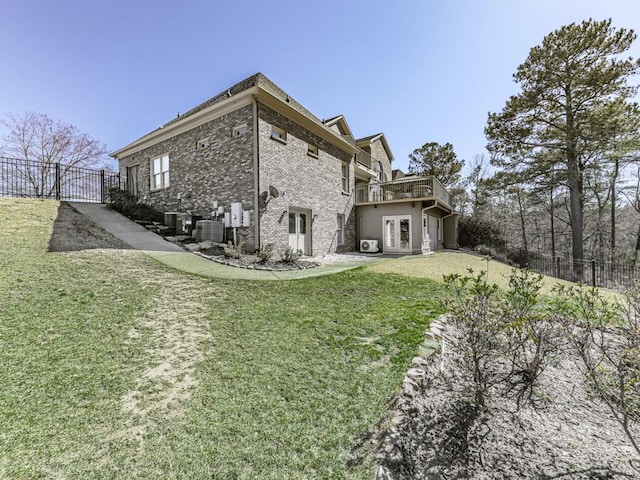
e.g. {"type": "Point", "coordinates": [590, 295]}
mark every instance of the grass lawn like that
{"type": "Point", "coordinates": [114, 366]}
{"type": "Point", "coordinates": [434, 266]}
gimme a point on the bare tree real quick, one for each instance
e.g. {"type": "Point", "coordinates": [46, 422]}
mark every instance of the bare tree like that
{"type": "Point", "coordinates": [44, 143]}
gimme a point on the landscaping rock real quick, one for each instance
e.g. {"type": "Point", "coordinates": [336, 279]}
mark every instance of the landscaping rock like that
{"type": "Point", "coordinates": [191, 247]}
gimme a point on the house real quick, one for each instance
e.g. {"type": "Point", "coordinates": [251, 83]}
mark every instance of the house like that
{"type": "Point", "coordinates": [300, 181]}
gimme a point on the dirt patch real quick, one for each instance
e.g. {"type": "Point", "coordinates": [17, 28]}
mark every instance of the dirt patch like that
{"type": "Point", "coordinates": [173, 338]}
{"type": "Point", "coordinates": [73, 232]}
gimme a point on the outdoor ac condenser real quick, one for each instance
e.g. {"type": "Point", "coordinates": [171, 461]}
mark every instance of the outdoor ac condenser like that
{"type": "Point", "coordinates": [369, 246]}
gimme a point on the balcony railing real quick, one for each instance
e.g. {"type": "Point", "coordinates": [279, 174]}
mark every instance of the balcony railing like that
{"type": "Point", "coordinates": [424, 187]}
{"type": "Point", "coordinates": [363, 158]}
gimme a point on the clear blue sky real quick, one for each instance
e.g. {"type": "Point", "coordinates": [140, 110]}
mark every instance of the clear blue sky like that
{"type": "Point", "coordinates": [417, 70]}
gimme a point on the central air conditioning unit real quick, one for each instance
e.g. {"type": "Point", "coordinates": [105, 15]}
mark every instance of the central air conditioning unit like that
{"type": "Point", "coordinates": [369, 246]}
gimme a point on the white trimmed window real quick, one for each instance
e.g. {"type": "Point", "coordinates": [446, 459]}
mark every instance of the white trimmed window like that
{"type": "Point", "coordinates": [340, 230]}
{"type": "Point", "coordinates": [278, 134]}
{"type": "Point", "coordinates": [160, 172]}
{"type": "Point", "coordinates": [312, 150]}
{"type": "Point", "coordinates": [345, 177]}
{"type": "Point", "coordinates": [240, 130]}
{"type": "Point", "coordinates": [200, 144]}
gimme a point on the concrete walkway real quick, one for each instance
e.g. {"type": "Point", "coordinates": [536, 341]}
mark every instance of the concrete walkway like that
{"type": "Point", "coordinates": [174, 256]}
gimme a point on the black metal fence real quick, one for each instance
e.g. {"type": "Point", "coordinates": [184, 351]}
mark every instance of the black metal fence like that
{"type": "Point", "coordinates": [33, 179]}
{"type": "Point", "coordinates": [591, 272]}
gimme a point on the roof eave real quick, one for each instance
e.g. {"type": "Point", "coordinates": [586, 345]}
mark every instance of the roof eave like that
{"type": "Point", "coordinates": [228, 105]}
{"type": "Point", "coordinates": [203, 116]}
{"type": "Point", "coordinates": [272, 101]}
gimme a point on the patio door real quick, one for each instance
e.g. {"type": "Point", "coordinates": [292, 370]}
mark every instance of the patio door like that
{"type": "Point", "coordinates": [397, 234]}
{"type": "Point", "coordinates": [299, 230]}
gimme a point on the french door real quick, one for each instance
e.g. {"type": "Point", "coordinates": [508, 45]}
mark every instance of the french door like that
{"type": "Point", "coordinates": [397, 234]}
{"type": "Point", "coordinates": [299, 230]}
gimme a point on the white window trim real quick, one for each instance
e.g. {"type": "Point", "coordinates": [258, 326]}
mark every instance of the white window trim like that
{"type": "Point", "coordinates": [163, 173]}
{"type": "Point", "coordinates": [340, 230]}
{"type": "Point", "coordinates": [240, 130]}
{"type": "Point", "coordinates": [278, 134]}
{"type": "Point", "coordinates": [313, 151]}
{"type": "Point", "coordinates": [202, 144]}
{"type": "Point", "coordinates": [345, 167]}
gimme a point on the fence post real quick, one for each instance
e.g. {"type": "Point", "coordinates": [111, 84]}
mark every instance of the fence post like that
{"type": "Point", "coordinates": [557, 267]}
{"type": "Point", "coordinates": [102, 186]}
{"type": "Point", "coordinates": [57, 181]}
{"type": "Point", "coordinates": [593, 273]}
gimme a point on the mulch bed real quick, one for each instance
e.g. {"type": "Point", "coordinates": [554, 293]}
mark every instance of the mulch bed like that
{"type": "Point", "coordinates": [252, 262]}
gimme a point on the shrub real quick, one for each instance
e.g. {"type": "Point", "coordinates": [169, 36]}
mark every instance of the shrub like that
{"type": "Point", "coordinates": [290, 255]}
{"type": "Point", "coordinates": [474, 231]}
{"type": "Point", "coordinates": [606, 338]}
{"type": "Point", "coordinates": [491, 252]}
{"type": "Point", "coordinates": [501, 342]}
{"type": "Point", "coordinates": [265, 253]}
{"type": "Point", "coordinates": [231, 251]}
{"type": "Point", "coordinates": [127, 204]}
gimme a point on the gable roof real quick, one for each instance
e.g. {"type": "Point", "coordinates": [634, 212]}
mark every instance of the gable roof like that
{"type": "Point", "coordinates": [254, 88]}
{"type": "Point", "coordinates": [366, 141]}
{"type": "Point", "coordinates": [342, 125]}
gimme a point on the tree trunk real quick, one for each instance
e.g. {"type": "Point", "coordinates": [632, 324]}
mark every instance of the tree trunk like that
{"type": "Point", "coordinates": [553, 231]}
{"type": "Point", "coordinates": [637, 252]}
{"type": "Point", "coordinates": [614, 179]}
{"type": "Point", "coordinates": [574, 180]}
{"type": "Point", "coordinates": [575, 204]}
{"type": "Point", "coordinates": [523, 225]}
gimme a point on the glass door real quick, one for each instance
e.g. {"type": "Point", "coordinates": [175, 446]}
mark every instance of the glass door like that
{"type": "Point", "coordinates": [397, 234]}
{"type": "Point", "coordinates": [298, 231]}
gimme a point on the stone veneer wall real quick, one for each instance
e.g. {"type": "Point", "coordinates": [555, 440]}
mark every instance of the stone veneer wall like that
{"type": "Point", "coordinates": [223, 171]}
{"type": "Point", "coordinates": [304, 182]}
{"type": "Point", "coordinates": [379, 153]}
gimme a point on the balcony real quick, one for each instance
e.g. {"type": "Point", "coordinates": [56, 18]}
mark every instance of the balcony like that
{"type": "Point", "coordinates": [423, 188]}
{"type": "Point", "coordinates": [365, 166]}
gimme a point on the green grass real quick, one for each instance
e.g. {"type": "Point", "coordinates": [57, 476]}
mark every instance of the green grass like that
{"type": "Point", "coordinates": [114, 366]}
{"type": "Point", "coordinates": [436, 265]}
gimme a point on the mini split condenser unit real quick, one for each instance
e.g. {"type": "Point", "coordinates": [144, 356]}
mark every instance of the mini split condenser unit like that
{"type": "Point", "coordinates": [369, 246]}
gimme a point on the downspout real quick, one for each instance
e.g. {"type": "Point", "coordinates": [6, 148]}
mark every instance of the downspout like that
{"type": "Point", "coordinates": [256, 176]}
{"type": "Point", "coordinates": [435, 205]}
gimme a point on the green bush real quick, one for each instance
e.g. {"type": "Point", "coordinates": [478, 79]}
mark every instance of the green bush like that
{"type": "Point", "coordinates": [127, 204]}
{"type": "Point", "coordinates": [231, 251]}
{"type": "Point", "coordinates": [290, 255]}
{"type": "Point", "coordinates": [265, 253]}
{"type": "Point", "coordinates": [474, 231]}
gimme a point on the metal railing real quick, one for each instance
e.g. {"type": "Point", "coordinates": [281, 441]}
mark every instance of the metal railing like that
{"type": "Point", "coordinates": [590, 272]}
{"type": "Point", "coordinates": [33, 179]}
{"type": "Point", "coordinates": [363, 158]}
{"type": "Point", "coordinates": [423, 187]}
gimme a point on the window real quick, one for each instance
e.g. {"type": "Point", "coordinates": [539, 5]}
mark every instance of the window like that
{"type": "Point", "coordinates": [200, 144]}
{"type": "Point", "coordinates": [379, 171]}
{"type": "Point", "coordinates": [312, 151]}
{"type": "Point", "coordinates": [278, 134]}
{"type": "Point", "coordinates": [340, 230]}
{"type": "Point", "coordinates": [240, 130]}
{"type": "Point", "coordinates": [160, 172]}
{"type": "Point", "coordinates": [345, 177]}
